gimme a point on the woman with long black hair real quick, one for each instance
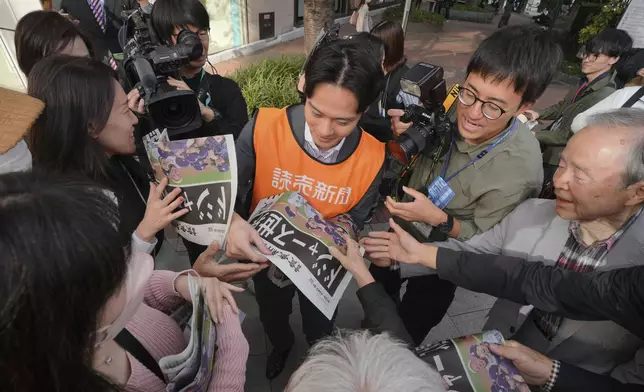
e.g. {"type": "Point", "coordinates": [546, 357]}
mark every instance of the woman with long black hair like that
{"type": "Point", "coordinates": [71, 284]}
{"type": "Point", "coordinates": [87, 127]}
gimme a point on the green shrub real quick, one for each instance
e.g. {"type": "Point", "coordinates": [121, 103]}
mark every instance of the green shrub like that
{"type": "Point", "coordinates": [271, 83]}
{"type": "Point", "coordinates": [608, 17]}
{"type": "Point", "coordinates": [415, 15]}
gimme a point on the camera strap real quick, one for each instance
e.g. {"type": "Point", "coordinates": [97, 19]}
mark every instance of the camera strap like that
{"type": "Point", "coordinates": [479, 156]}
{"type": "Point", "coordinates": [204, 90]}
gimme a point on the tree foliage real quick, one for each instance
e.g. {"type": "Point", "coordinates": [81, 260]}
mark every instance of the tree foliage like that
{"type": "Point", "coordinates": [609, 16]}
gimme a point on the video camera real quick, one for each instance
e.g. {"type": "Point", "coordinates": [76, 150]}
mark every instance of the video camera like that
{"type": "Point", "coordinates": [148, 63]}
{"type": "Point", "coordinates": [431, 123]}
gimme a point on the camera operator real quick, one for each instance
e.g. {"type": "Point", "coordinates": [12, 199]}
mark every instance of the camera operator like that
{"type": "Point", "coordinates": [375, 120]}
{"type": "Point", "coordinates": [318, 148]}
{"type": "Point", "coordinates": [492, 162]}
{"type": "Point", "coordinates": [223, 108]}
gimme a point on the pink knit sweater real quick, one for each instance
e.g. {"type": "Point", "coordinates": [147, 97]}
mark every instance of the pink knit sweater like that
{"type": "Point", "coordinates": [161, 336]}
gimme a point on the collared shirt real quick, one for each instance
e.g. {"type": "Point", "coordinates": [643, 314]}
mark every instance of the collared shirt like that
{"type": "Point", "coordinates": [579, 257]}
{"type": "Point", "coordinates": [488, 190]}
{"type": "Point", "coordinates": [328, 156]}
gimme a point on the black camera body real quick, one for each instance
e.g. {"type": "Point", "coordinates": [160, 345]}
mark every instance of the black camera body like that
{"type": "Point", "coordinates": [430, 121]}
{"type": "Point", "coordinates": [148, 63]}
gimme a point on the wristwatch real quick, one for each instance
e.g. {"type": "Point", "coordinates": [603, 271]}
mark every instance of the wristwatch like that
{"type": "Point", "coordinates": [446, 226]}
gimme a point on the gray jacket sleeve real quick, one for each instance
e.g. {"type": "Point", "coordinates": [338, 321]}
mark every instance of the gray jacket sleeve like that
{"type": "Point", "coordinates": [490, 241]}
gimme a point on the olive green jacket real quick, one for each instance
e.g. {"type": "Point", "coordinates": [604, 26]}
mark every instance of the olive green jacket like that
{"type": "Point", "coordinates": [554, 139]}
{"type": "Point", "coordinates": [489, 189]}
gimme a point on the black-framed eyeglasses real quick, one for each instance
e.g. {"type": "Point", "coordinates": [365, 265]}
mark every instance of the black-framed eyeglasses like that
{"type": "Point", "coordinates": [490, 110]}
{"type": "Point", "coordinates": [591, 57]}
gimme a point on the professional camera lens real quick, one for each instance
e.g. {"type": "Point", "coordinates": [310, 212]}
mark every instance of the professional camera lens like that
{"type": "Point", "coordinates": [177, 112]}
{"type": "Point", "coordinates": [189, 44]}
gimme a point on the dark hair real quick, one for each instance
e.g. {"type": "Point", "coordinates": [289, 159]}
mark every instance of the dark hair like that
{"type": "Point", "coordinates": [349, 64]}
{"type": "Point", "coordinates": [393, 36]}
{"type": "Point", "coordinates": [526, 55]}
{"type": "Point", "coordinates": [611, 42]}
{"type": "Point", "coordinates": [78, 94]}
{"type": "Point", "coordinates": [373, 44]}
{"type": "Point", "coordinates": [167, 14]}
{"type": "Point", "coordinates": [42, 33]}
{"type": "Point", "coordinates": [63, 257]}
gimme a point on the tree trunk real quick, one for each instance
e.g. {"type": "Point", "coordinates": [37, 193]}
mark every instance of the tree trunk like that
{"type": "Point", "coordinates": [317, 14]}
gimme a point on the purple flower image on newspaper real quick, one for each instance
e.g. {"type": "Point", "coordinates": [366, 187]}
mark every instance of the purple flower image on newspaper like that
{"type": "Point", "coordinates": [299, 238]}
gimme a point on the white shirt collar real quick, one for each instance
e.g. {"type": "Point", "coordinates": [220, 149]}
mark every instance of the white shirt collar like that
{"type": "Point", "coordinates": [309, 139]}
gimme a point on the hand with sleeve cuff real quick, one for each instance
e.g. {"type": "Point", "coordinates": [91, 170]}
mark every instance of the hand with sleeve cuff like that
{"type": "Point", "coordinates": [382, 247]}
{"type": "Point", "coordinates": [353, 262]}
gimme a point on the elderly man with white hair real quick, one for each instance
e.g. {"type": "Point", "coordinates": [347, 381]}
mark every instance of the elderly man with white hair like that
{"type": "Point", "coordinates": [361, 362]}
{"type": "Point", "coordinates": [594, 224]}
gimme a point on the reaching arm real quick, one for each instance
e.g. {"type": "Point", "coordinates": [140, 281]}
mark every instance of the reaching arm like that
{"type": "Point", "coordinates": [615, 295]}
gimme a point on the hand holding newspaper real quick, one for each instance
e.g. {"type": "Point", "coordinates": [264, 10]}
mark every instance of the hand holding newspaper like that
{"type": "Point", "coordinates": [206, 171]}
{"type": "Point", "coordinates": [191, 370]}
{"type": "Point", "coordinates": [466, 364]}
{"type": "Point", "coordinates": [299, 238]}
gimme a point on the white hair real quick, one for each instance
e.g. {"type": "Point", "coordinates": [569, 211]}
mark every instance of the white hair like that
{"type": "Point", "coordinates": [631, 119]}
{"type": "Point", "coordinates": [361, 362]}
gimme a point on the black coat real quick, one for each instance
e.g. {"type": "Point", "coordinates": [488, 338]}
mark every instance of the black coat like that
{"type": "Point", "coordinates": [616, 295]}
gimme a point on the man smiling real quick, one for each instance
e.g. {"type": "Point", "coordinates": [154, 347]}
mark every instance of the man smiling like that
{"type": "Point", "coordinates": [491, 164]}
{"type": "Point", "coordinates": [318, 150]}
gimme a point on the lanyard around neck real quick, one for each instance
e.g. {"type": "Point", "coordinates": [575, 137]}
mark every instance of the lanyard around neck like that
{"type": "Point", "coordinates": [478, 156]}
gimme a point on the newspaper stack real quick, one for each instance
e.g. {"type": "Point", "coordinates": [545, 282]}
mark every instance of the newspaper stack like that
{"type": "Point", "coordinates": [466, 364]}
{"type": "Point", "coordinates": [191, 370]}
{"type": "Point", "coordinates": [299, 238]}
{"type": "Point", "coordinates": [206, 171]}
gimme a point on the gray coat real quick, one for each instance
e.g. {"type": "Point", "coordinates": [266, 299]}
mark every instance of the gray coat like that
{"type": "Point", "coordinates": [533, 231]}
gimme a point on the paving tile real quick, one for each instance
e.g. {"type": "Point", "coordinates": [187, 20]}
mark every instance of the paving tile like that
{"type": "Point", "coordinates": [255, 379]}
{"type": "Point", "coordinates": [466, 301]}
{"type": "Point", "coordinates": [470, 323]}
{"type": "Point", "coordinates": [444, 330]}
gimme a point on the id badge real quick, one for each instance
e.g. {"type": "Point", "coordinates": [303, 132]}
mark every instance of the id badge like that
{"type": "Point", "coordinates": [440, 193]}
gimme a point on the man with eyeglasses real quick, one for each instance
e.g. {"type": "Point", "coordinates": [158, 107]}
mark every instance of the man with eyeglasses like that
{"type": "Point", "coordinates": [491, 164]}
{"type": "Point", "coordinates": [602, 53]}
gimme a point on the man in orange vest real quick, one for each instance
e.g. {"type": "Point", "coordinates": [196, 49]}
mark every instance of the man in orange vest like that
{"type": "Point", "coordinates": [316, 149]}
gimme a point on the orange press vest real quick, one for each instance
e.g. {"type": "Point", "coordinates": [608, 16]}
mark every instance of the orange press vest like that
{"type": "Point", "coordinates": [283, 165]}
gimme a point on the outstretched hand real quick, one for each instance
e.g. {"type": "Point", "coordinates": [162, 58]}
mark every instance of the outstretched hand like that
{"type": "Point", "coordinates": [353, 261]}
{"type": "Point", "coordinates": [397, 245]}
{"type": "Point", "coordinates": [206, 265]}
{"type": "Point", "coordinates": [241, 238]}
